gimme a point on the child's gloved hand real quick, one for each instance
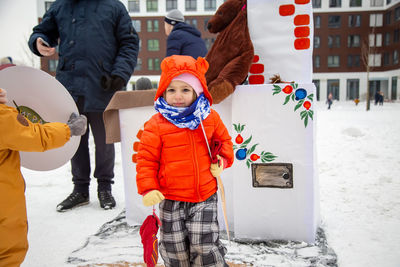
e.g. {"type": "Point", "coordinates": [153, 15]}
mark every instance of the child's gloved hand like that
{"type": "Point", "coordinates": [77, 124]}
{"type": "Point", "coordinates": [217, 168]}
{"type": "Point", "coordinates": [153, 197]}
{"type": "Point", "coordinates": [3, 96]}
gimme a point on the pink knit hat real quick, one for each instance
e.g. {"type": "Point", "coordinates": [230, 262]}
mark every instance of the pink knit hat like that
{"type": "Point", "coordinates": [191, 80]}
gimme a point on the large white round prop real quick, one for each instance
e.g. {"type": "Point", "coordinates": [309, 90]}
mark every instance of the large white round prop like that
{"type": "Point", "coordinates": [42, 95]}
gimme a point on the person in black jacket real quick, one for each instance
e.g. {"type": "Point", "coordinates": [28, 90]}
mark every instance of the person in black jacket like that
{"type": "Point", "coordinates": [98, 49]}
{"type": "Point", "coordinates": [183, 39]}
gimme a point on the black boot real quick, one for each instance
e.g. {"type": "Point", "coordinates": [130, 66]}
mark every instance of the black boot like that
{"type": "Point", "coordinates": [106, 199]}
{"type": "Point", "coordinates": [75, 199]}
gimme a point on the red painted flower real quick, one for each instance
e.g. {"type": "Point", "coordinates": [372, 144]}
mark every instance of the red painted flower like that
{"type": "Point", "coordinates": [307, 105]}
{"type": "Point", "coordinates": [239, 139]}
{"type": "Point", "coordinates": [254, 157]}
{"type": "Point", "coordinates": [288, 89]}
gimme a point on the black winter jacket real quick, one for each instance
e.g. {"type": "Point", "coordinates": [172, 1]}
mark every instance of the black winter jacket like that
{"type": "Point", "coordinates": [185, 40]}
{"type": "Point", "coordinates": [95, 38]}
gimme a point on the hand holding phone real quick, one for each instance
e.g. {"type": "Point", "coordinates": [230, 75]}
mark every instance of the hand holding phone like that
{"type": "Point", "coordinates": [44, 48]}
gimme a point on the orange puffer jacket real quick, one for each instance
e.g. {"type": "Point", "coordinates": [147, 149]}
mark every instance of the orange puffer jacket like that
{"type": "Point", "coordinates": [176, 161]}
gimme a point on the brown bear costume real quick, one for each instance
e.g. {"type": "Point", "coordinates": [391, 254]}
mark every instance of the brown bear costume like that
{"type": "Point", "coordinates": [232, 53]}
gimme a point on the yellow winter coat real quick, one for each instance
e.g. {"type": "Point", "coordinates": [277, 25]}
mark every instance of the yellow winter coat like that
{"type": "Point", "coordinates": [19, 134]}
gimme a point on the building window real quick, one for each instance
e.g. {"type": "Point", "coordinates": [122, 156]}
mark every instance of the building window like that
{"type": "Point", "coordinates": [47, 4]}
{"type": "Point", "coordinates": [136, 24]}
{"type": "Point", "coordinates": [335, 3]}
{"type": "Point", "coordinates": [355, 3]}
{"type": "Point", "coordinates": [333, 61]}
{"type": "Point", "coordinates": [53, 65]}
{"type": "Point", "coordinates": [375, 20]}
{"type": "Point", "coordinates": [334, 41]}
{"type": "Point", "coordinates": [192, 22]}
{"type": "Point", "coordinates": [388, 2]}
{"type": "Point", "coordinates": [209, 42]}
{"type": "Point", "coordinates": [376, 2]}
{"type": "Point", "coordinates": [333, 87]}
{"type": "Point", "coordinates": [153, 45]}
{"type": "Point", "coordinates": [156, 64]}
{"type": "Point", "coordinates": [353, 89]}
{"type": "Point", "coordinates": [354, 21]}
{"type": "Point", "coordinates": [317, 21]}
{"type": "Point", "coordinates": [316, 83]}
{"type": "Point", "coordinates": [397, 14]}
{"type": "Point", "coordinates": [395, 57]}
{"type": "Point", "coordinates": [206, 24]}
{"type": "Point", "coordinates": [353, 61]}
{"type": "Point", "coordinates": [317, 42]}
{"type": "Point", "coordinates": [375, 40]}
{"type": "Point", "coordinates": [387, 38]}
{"type": "Point", "coordinates": [394, 87]}
{"type": "Point", "coordinates": [317, 61]}
{"type": "Point", "coordinates": [316, 3]}
{"type": "Point", "coordinates": [386, 59]}
{"type": "Point", "coordinates": [152, 5]}
{"type": "Point", "coordinates": [356, 61]}
{"type": "Point", "coordinates": [133, 6]}
{"type": "Point", "coordinates": [140, 45]}
{"type": "Point", "coordinates": [396, 36]}
{"type": "Point", "coordinates": [209, 5]}
{"type": "Point", "coordinates": [171, 4]}
{"type": "Point", "coordinates": [334, 21]}
{"type": "Point", "coordinates": [190, 5]}
{"type": "Point", "coordinates": [353, 41]}
{"type": "Point", "coordinates": [150, 65]}
{"type": "Point", "coordinates": [152, 25]}
{"type": "Point", "coordinates": [374, 60]}
{"type": "Point", "coordinates": [388, 18]}
{"type": "Point", "coordinates": [138, 64]}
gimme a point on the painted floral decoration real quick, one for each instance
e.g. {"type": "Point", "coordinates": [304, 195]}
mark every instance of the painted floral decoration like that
{"type": "Point", "coordinates": [245, 153]}
{"type": "Point", "coordinates": [300, 97]}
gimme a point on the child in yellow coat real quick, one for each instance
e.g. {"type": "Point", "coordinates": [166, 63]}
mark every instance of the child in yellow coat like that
{"type": "Point", "coordinates": [19, 134]}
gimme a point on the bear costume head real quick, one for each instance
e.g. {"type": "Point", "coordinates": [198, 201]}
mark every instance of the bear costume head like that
{"type": "Point", "coordinates": [232, 53]}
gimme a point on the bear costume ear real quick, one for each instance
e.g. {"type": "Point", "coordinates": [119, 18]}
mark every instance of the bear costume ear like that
{"type": "Point", "coordinates": [201, 65]}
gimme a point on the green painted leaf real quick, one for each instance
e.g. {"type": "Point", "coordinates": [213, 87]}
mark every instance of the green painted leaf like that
{"type": "Point", "coordinates": [248, 152]}
{"type": "Point", "coordinates": [276, 87]}
{"type": "Point", "coordinates": [310, 96]}
{"type": "Point", "coordinates": [292, 96]}
{"type": "Point", "coordinates": [286, 100]}
{"type": "Point", "coordinates": [311, 114]}
{"type": "Point", "coordinates": [303, 114]}
{"type": "Point", "coordinates": [248, 163]}
{"type": "Point", "coordinates": [299, 104]}
{"type": "Point", "coordinates": [234, 147]}
{"type": "Point", "coordinates": [306, 120]}
{"type": "Point", "coordinates": [247, 141]}
{"type": "Point", "coordinates": [242, 127]}
{"type": "Point", "coordinates": [236, 128]}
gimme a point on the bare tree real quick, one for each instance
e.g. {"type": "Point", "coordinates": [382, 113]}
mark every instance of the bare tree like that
{"type": "Point", "coordinates": [368, 53]}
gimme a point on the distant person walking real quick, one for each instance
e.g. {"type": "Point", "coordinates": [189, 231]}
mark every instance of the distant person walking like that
{"type": "Point", "coordinates": [98, 49]}
{"type": "Point", "coordinates": [330, 100]}
{"type": "Point", "coordinates": [183, 39]}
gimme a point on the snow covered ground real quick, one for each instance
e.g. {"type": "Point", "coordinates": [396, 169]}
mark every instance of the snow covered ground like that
{"type": "Point", "coordinates": [359, 173]}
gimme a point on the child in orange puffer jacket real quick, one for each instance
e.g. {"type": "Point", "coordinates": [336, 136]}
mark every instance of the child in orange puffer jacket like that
{"type": "Point", "coordinates": [174, 166]}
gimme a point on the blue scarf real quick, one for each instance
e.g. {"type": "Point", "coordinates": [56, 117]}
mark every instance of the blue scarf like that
{"type": "Point", "coordinates": [184, 117]}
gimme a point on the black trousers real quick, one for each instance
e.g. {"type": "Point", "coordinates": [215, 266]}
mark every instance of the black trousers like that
{"type": "Point", "coordinates": [104, 155]}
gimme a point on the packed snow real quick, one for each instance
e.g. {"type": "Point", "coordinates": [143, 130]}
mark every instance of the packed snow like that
{"type": "Point", "coordinates": [359, 176]}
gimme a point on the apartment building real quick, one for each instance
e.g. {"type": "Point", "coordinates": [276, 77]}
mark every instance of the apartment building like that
{"type": "Point", "coordinates": [347, 34]}
{"type": "Point", "coordinates": [148, 20]}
